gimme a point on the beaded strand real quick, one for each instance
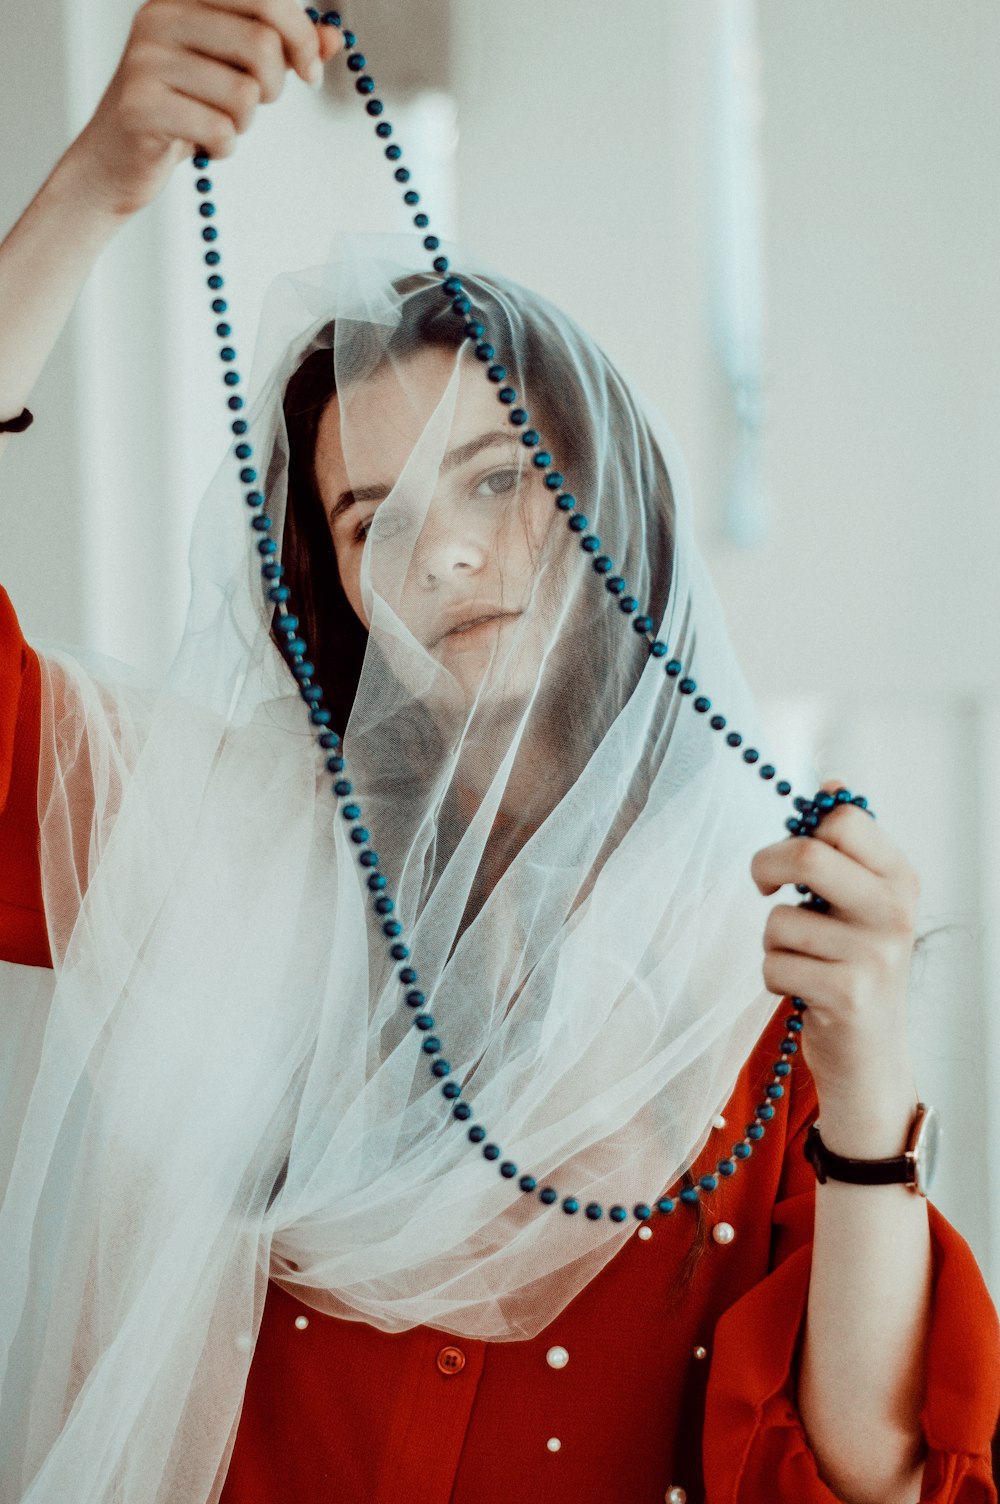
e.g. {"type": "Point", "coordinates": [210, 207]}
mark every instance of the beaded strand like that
{"type": "Point", "coordinates": [295, 650]}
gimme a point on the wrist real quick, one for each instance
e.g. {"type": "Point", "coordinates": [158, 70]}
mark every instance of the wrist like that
{"type": "Point", "coordinates": [873, 1126]}
{"type": "Point", "coordinates": [73, 190]}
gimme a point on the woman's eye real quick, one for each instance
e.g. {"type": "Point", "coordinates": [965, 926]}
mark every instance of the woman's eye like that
{"type": "Point", "coordinates": [498, 482]}
{"type": "Point", "coordinates": [361, 531]}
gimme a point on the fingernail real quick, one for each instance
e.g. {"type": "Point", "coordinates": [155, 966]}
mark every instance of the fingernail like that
{"type": "Point", "coordinates": [316, 74]}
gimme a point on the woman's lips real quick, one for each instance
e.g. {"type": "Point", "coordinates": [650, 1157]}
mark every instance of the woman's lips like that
{"type": "Point", "coordinates": [474, 631]}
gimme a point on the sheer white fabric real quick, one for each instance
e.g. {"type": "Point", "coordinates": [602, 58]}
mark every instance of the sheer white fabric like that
{"type": "Point", "coordinates": [228, 1086]}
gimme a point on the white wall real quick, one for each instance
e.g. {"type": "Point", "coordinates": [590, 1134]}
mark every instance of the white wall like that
{"type": "Point", "coordinates": [865, 619]}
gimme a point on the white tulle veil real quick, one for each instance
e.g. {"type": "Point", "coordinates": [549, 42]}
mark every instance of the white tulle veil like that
{"type": "Point", "coordinates": [221, 1081]}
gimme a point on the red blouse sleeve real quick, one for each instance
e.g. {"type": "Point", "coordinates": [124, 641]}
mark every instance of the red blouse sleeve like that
{"type": "Point", "coordinates": [762, 1450]}
{"type": "Point", "coordinates": [22, 920]}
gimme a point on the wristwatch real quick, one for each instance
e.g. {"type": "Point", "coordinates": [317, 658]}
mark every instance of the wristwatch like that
{"type": "Point", "coordinates": [914, 1167]}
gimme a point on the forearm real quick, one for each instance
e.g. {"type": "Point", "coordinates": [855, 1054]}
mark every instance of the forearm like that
{"type": "Point", "coordinates": [861, 1378]}
{"type": "Point", "coordinates": [44, 261]}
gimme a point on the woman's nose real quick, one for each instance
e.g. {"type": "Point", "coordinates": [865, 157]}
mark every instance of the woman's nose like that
{"type": "Point", "coordinates": [445, 548]}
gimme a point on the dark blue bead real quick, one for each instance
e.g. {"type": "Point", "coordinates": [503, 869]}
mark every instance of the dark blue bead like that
{"type": "Point", "coordinates": [688, 686]}
{"type": "Point", "coordinates": [477, 1133]}
{"type": "Point", "coordinates": [508, 1169]}
{"type": "Point", "coordinates": [200, 160]}
{"type": "Point", "coordinates": [304, 670]}
{"type": "Point", "coordinates": [203, 185]}
{"type": "Point", "coordinates": [658, 649]}
{"type": "Point", "coordinates": [441, 1068]}
{"type": "Point", "coordinates": [618, 1214]}
{"type": "Point", "coordinates": [742, 1151]}
{"type": "Point", "coordinates": [570, 1205]}
{"type": "Point", "coordinates": [548, 1195]}
{"type": "Point", "coordinates": [641, 1211]}
{"type": "Point", "coordinates": [219, 305]}
{"type": "Point", "coordinates": [209, 233]}
{"type": "Point", "coordinates": [320, 717]}
{"type": "Point", "coordinates": [755, 1130]}
{"type": "Point", "coordinates": [415, 999]}
{"type": "Point", "coordinates": [392, 927]}
{"type": "Point", "coordinates": [357, 62]}
{"type": "Point", "coordinates": [329, 738]}
{"type": "Point", "coordinates": [407, 974]}
{"type": "Point", "coordinates": [359, 835]}
{"type": "Point", "coordinates": [775, 1091]}
{"type": "Point", "coordinates": [614, 585]}
{"type": "Point", "coordinates": [234, 403]}
{"type": "Point", "coordinates": [399, 952]}
{"type": "Point", "coordinates": [518, 417]}
{"type": "Point", "coordinates": [708, 1182]}
{"type": "Point", "coordinates": [331, 18]}
{"type": "Point", "coordinates": [751, 754]}
{"type": "Point", "coordinates": [424, 1021]}
{"type": "Point", "coordinates": [726, 1167]}
{"type": "Point", "coordinates": [393, 152]}
{"type": "Point", "coordinates": [674, 667]}
{"type": "Point", "coordinates": [420, 220]}
{"type": "Point", "coordinates": [451, 1090]}
{"type": "Point", "coordinates": [349, 38]}
{"type": "Point", "coordinates": [351, 811]}
{"type": "Point", "coordinates": [295, 645]}
{"type": "Point", "coordinates": [566, 502]}
{"type": "Point", "coordinates": [440, 262]}
{"type": "Point", "coordinates": [267, 546]}
{"type": "Point", "coordinates": [431, 1045]}
{"type": "Point", "coordinates": [402, 175]}
{"type": "Point", "coordinates": [484, 350]}
{"type": "Point", "coordinates": [590, 544]}
{"type": "Point", "coordinates": [642, 624]}
{"type": "Point", "coordinates": [462, 1111]}
{"type": "Point", "coordinates": [248, 474]}
{"type": "Point", "coordinates": [451, 286]}
{"type": "Point", "coordinates": [789, 1047]}
{"type": "Point", "coordinates": [432, 243]}
{"type": "Point", "coordinates": [232, 378]}
{"type": "Point", "coordinates": [766, 771]}
{"type": "Point", "coordinates": [497, 373]}
{"type": "Point", "coordinates": [206, 210]}
{"type": "Point", "coordinates": [530, 438]}
{"type": "Point", "coordinates": [215, 282]}
{"type": "Point", "coordinates": [491, 1151]}
{"type": "Point", "coordinates": [474, 329]}
{"type": "Point", "coordinates": [765, 1112]}
{"type": "Point", "coordinates": [368, 858]}
{"type": "Point", "coordinates": [594, 1211]}
{"type": "Point", "coordinates": [718, 723]}
{"type": "Point", "coordinates": [734, 739]}
{"type": "Point", "coordinates": [312, 13]}
{"type": "Point", "coordinates": [411, 196]}
{"type": "Point", "coordinates": [542, 459]}
{"type": "Point", "coordinates": [577, 523]}
{"type": "Point", "coordinates": [382, 905]}
{"type": "Point", "coordinates": [603, 565]}
{"type": "Point", "coordinates": [239, 425]}
{"type": "Point", "coordinates": [278, 593]}
{"type": "Point", "coordinates": [461, 306]}
{"type": "Point", "coordinates": [527, 1183]}
{"type": "Point", "coordinates": [555, 481]}
{"type": "Point", "coordinates": [375, 107]}
{"type": "Point", "coordinates": [784, 787]}
{"type": "Point", "coordinates": [254, 498]}
{"type": "Point", "coordinates": [782, 1068]}
{"type": "Point", "coordinates": [690, 1194]}
{"type": "Point", "coordinates": [243, 451]}
{"type": "Point", "coordinates": [702, 704]}
{"type": "Point", "coordinates": [507, 395]}
{"type": "Point", "coordinates": [212, 258]}
{"type": "Point", "coordinates": [628, 604]}
{"type": "Point", "coordinates": [666, 1206]}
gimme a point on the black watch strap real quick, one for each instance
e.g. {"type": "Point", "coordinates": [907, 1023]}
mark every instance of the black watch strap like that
{"type": "Point", "coordinates": [17, 425]}
{"type": "Point", "coordinates": [900, 1169]}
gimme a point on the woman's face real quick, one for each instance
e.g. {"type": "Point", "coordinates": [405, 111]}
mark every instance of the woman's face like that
{"type": "Point", "coordinates": [461, 566]}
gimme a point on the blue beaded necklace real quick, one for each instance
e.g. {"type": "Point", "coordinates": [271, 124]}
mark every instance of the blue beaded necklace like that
{"type": "Point", "coordinates": [295, 649]}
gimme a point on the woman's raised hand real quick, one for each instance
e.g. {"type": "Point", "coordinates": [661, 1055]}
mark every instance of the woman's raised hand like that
{"type": "Point", "coordinates": [192, 74]}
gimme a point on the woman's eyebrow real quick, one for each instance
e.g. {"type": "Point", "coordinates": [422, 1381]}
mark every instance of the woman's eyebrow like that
{"type": "Point", "coordinates": [454, 457]}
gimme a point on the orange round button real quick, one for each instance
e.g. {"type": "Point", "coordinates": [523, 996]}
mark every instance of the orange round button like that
{"type": "Point", "coordinates": [451, 1360]}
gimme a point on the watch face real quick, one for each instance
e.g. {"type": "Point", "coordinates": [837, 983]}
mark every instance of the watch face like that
{"type": "Point", "coordinates": [925, 1150]}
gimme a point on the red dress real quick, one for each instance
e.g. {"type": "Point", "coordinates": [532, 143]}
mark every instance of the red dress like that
{"type": "Point", "coordinates": [695, 1393]}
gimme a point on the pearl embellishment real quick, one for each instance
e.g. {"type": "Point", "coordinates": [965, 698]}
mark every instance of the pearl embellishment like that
{"type": "Point", "coordinates": [553, 1443]}
{"type": "Point", "coordinates": [302, 1322]}
{"type": "Point", "coordinates": [701, 1352]}
{"type": "Point", "coordinates": [718, 1121]}
{"type": "Point", "coordinates": [675, 1495]}
{"type": "Point", "coordinates": [723, 1232]}
{"type": "Point", "coordinates": [557, 1357]}
{"type": "Point", "coordinates": [645, 1233]}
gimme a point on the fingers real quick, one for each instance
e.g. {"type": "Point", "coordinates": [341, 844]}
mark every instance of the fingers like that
{"type": "Point", "coordinates": [297, 33]}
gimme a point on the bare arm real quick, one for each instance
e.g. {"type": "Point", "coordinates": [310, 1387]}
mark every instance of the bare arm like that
{"type": "Point", "coordinates": [192, 72]}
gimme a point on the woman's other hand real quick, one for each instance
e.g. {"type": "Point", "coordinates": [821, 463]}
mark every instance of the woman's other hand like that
{"type": "Point", "coordinates": [851, 964]}
{"type": "Point", "coordinates": [192, 74]}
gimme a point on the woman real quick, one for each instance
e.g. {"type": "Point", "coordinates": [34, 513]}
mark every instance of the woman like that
{"type": "Point", "coordinates": [249, 1259]}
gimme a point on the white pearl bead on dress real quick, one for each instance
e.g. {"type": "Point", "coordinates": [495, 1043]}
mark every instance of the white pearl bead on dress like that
{"type": "Point", "coordinates": [675, 1495]}
{"type": "Point", "coordinates": [701, 1352]}
{"type": "Point", "coordinates": [302, 1322]}
{"type": "Point", "coordinates": [718, 1121]}
{"type": "Point", "coordinates": [553, 1443]}
{"type": "Point", "coordinates": [723, 1232]}
{"type": "Point", "coordinates": [645, 1233]}
{"type": "Point", "coordinates": [557, 1357]}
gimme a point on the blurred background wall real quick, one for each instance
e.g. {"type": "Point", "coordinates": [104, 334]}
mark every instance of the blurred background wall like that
{"type": "Point", "coordinates": [575, 147]}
